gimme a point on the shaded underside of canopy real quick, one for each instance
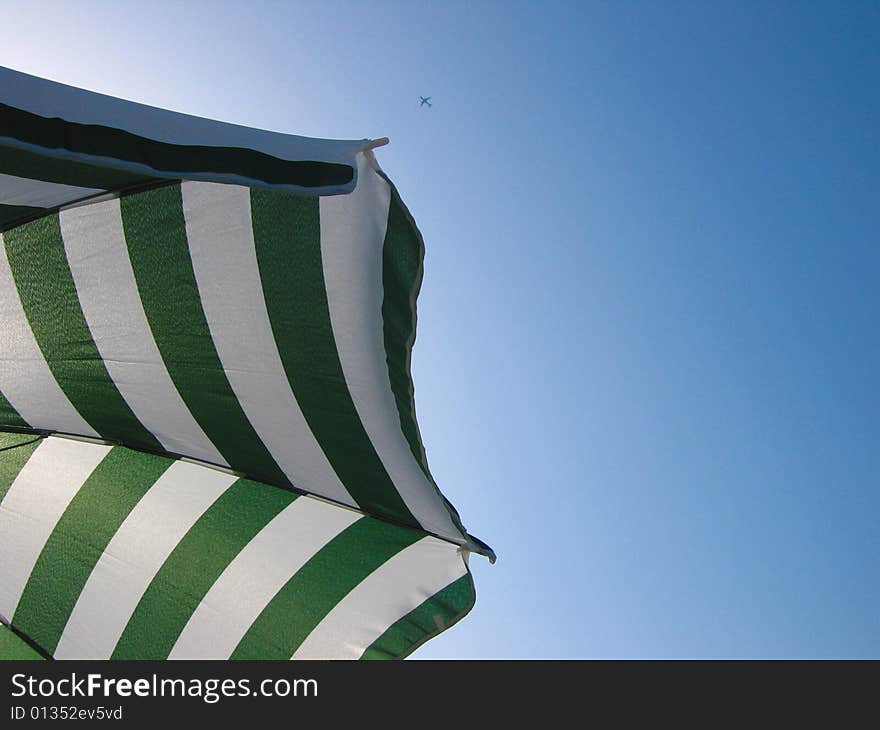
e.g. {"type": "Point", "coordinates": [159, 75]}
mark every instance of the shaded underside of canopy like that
{"type": "Point", "coordinates": [60, 144]}
{"type": "Point", "coordinates": [231, 313]}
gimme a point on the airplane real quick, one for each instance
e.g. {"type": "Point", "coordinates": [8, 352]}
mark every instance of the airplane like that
{"type": "Point", "coordinates": [425, 100]}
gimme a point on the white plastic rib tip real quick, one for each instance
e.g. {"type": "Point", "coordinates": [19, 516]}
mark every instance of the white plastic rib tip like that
{"type": "Point", "coordinates": [374, 143]}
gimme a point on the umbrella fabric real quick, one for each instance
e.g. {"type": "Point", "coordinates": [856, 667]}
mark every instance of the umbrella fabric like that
{"type": "Point", "coordinates": [227, 317]}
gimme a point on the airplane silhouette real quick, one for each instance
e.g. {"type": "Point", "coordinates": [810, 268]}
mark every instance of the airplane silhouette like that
{"type": "Point", "coordinates": [425, 100]}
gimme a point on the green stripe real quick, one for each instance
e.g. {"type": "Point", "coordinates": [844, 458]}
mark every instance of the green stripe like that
{"type": "Point", "coordinates": [12, 215]}
{"type": "Point", "coordinates": [287, 229]}
{"type": "Point", "coordinates": [25, 163]}
{"type": "Point", "coordinates": [319, 585]}
{"type": "Point", "coordinates": [176, 160]}
{"type": "Point", "coordinates": [79, 539]}
{"type": "Point", "coordinates": [48, 296]}
{"type": "Point", "coordinates": [403, 254]}
{"type": "Point", "coordinates": [195, 564]}
{"type": "Point", "coordinates": [15, 648]}
{"type": "Point", "coordinates": [15, 450]}
{"type": "Point", "coordinates": [437, 614]}
{"type": "Point", "coordinates": [9, 417]}
{"type": "Point", "coordinates": [155, 232]}
{"type": "Point", "coordinates": [402, 257]}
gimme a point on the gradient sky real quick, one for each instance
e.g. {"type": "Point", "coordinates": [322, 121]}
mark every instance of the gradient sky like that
{"type": "Point", "coordinates": [648, 351]}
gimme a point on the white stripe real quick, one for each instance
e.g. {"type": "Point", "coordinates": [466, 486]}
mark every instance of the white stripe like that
{"type": "Point", "coordinates": [352, 236]}
{"type": "Point", "coordinates": [94, 242]}
{"type": "Point", "coordinates": [39, 193]}
{"type": "Point", "coordinates": [133, 557]}
{"type": "Point", "coordinates": [34, 504]}
{"type": "Point", "coordinates": [258, 572]}
{"type": "Point", "coordinates": [384, 597]}
{"type": "Point", "coordinates": [221, 243]}
{"type": "Point", "coordinates": [25, 378]}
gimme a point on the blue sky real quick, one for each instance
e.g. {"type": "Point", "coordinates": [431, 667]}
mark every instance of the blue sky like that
{"type": "Point", "coordinates": [648, 353]}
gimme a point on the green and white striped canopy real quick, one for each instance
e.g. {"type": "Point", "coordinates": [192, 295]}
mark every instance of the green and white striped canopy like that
{"type": "Point", "coordinates": [208, 442]}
